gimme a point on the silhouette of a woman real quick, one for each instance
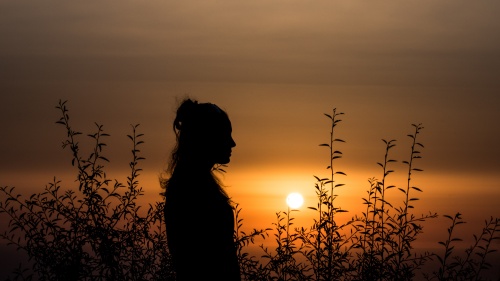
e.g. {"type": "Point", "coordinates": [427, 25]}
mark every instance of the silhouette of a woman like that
{"type": "Point", "coordinates": [198, 215]}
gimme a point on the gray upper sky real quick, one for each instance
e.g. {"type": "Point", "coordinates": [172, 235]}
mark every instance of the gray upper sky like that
{"type": "Point", "coordinates": [438, 43]}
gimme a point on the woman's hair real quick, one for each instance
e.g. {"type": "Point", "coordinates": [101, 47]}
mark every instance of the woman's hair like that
{"type": "Point", "coordinates": [195, 124]}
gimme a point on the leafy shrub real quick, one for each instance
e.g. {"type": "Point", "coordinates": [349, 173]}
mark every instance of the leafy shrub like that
{"type": "Point", "coordinates": [376, 245]}
{"type": "Point", "coordinates": [99, 232]}
{"type": "Point", "coordinates": [94, 233]}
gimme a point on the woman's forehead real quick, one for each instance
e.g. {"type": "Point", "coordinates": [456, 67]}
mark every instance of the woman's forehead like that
{"type": "Point", "coordinates": [225, 124]}
{"type": "Point", "coordinates": [219, 123]}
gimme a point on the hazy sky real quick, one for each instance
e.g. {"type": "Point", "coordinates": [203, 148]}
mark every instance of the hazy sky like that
{"type": "Point", "coordinates": [276, 67]}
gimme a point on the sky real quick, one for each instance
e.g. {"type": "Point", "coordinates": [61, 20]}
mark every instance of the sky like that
{"type": "Point", "coordinates": [275, 67]}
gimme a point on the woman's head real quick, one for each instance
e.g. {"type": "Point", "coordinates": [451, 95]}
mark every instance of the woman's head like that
{"type": "Point", "coordinates": [203, 133]}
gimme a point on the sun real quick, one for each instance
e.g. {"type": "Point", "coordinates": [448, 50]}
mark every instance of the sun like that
{"type": "Point", "coordinates": [294, 200]}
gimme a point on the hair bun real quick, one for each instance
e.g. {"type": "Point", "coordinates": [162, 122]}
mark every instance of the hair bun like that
{"type": "Point", "coordinates": [184, 112]}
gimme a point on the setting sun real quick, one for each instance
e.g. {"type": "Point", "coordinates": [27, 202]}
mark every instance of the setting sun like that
{"type": "Point", "coordinates": [294, 200]}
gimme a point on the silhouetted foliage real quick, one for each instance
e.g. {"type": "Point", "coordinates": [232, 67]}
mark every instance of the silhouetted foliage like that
{"type": "Point", "coordinates": [94, 233]}
{"type": "Point", "coordinates": [98, 232]}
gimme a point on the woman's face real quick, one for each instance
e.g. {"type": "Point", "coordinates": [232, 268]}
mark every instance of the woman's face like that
{"type": "Point", "coordinates": [223, 144]}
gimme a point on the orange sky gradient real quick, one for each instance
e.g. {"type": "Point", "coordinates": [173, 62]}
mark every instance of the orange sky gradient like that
{"type": "Point", "coordinates": [275, 67]}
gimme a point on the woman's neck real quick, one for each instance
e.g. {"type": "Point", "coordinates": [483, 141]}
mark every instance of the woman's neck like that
{"type": "Point", "coordinates": [195, 167]}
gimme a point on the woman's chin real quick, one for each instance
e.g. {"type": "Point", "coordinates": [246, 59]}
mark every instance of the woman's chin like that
{"type": "Point", "coordinates": [223, 161]}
